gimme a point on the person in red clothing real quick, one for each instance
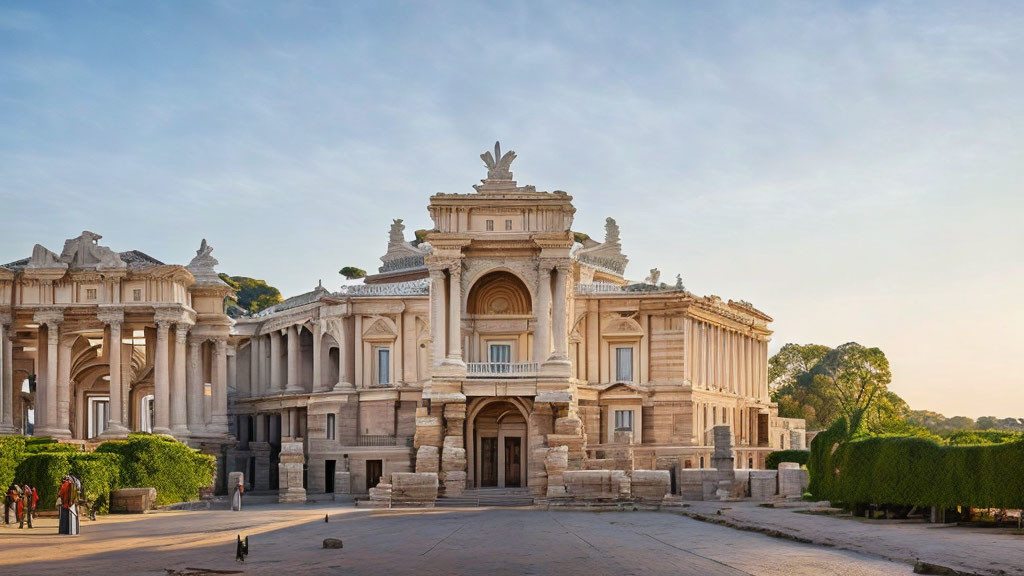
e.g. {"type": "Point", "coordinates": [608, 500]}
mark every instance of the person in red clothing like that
{"type": "Point", "coordinates": [67, 504]}
{"type": "Point", "coordinates": [11, 502]}
{"type": "Point", "coordinates": [29, 500]}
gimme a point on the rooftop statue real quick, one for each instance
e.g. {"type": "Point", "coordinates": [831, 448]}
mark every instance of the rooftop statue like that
{"type": "Point", "coordinates": [43, 258]}
{"type": "Point", "coordinates": [397, 234]}
{"type": "Point", "coordinates": [85, 251]}
{"type": "Point", "coordinates": [611, 231]}
{"type": "Point", "coordinates": [202, 266]}
{"type": "Point", "coordinates": [498, 165]}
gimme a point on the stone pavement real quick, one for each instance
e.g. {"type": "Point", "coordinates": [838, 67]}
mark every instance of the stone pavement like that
{"type": "Point", "coordinates": [287, 540]}
{"type": "Point", "coordinates": [968, 550]}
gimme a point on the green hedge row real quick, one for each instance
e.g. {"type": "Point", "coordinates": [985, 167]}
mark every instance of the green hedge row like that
{"type": "Point", "coordinates": [175, 470]}
{"type": "Point", "coordinates": [99, 474]}
{"type": "Point", "coordinates": [772, 461]}
{"type": "Point", "coordinates": [916, 471]}
{"type": "Point", "coordinates": [142, 461]}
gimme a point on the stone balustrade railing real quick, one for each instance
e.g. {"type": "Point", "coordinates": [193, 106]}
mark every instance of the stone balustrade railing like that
{"type": "Point", "coordinates": [598, 288]}
{"type": "Point", "coordinates": [501, 369]}
{"type": "Point", "coordinates": [383, 440]}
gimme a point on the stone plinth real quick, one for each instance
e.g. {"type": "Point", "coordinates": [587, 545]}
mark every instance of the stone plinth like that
{"type": "Point", "coordinates": [342, 484]}
{"type": "Point", "coordinates": [132, 500]}
{"type": "Point", "coordinates": [380, 496]}
{"type": "Point", "coordinates": [763, 484]}
{"type": "Point", "coordinates": [793, 480]}
{"type": "Point", "coordinates": [453, 466]}
{"type": "Point", "coordinates": [429, 430]}
{"type": "Point", "coordinates": [290, 487]}
{"type": "Point", "coordinates": [427, 459]}
{"type": "Point", "coordinates": [414, 488]}
{"type": "Point", "coordinates": [722, 460]}
{"type": "Point", "coordinates": [555, 463]}
{"type": "Point", "coordinates": [597, 484]}
{"type": "Point", "coordinates": [650, 485]}
{"type": "Point", "coordinates": [698, 483]}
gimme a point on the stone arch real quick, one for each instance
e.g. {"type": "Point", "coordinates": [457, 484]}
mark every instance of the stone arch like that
{"type": "Point", "coordinates": [520, 408]}
{"type": "Point", "coordinates": [499, 292]}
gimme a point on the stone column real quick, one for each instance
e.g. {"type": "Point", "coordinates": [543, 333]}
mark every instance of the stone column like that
{"type": "Point", "coordinates": [437, 320]}
{"type": "Point", "coordinates": [6, 375]}
{"type": "Point", "coordinates": [233, 370]}
{"type": "Point", "coordinates": [254, 366]}
{"type": "Point", "coordinates": [118, 396]}
{"type": "Point", "coordinates": [261, 428]}
{"type": "Point", "coordinates": [318, 384]}
{"type": "Point", "coordinates": [344, 357]}
{"type": "Point", "coordinates": [219, 412]}
{"type": "Point", "coordinates": [558, 313]}
{"type": "Point", "coordinates": [293, 422]}
{"type": "Point", "coordinates": [541, 338]}
{"type": "Point", "coordinates": [293, 360]}
{"type": "Point", "coordinates": [286, 423]}
{"type": "Point", "coordinates": [161, 384]}
{"type": "Point", "coordinates": [179, 427]}
{"type": "Point", "coordinates": [194, 386]}
{"type": "Point", "coordinates": [276, 385]}
{"type": "Point", "coordinates": [455, 314]}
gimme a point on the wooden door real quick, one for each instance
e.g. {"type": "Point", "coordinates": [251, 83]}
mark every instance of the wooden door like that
{"type": "Point", "coordinates": [374, 470]}
{"type": "Point", "coordinates": [513, 462]}
{"type": "Point", "coordinates": [488, 462]}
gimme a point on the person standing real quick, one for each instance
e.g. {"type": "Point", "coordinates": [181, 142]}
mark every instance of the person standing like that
{"type": "Point", "coordinates": [236, 496]}
{"type": "Point", "coordinates": [10, 501]}
{"type": "Point", "coordinates": [67, 503]}
{"type": "Point", "coordinates": [29, 498]}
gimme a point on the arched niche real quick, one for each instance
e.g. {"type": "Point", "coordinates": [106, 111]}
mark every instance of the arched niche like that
{"type": "Point", "coordinates": [499, 293]}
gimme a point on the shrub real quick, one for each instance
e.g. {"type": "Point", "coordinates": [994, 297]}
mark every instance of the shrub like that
{"type": "Point", "coordinates": [98, 472]}
{"type": "Point", "coordinates": [175, 470]}
{"type": "Point", "coordinates": [41, 444]}
{"type": "Point", "coordinates": [980, 437]}
{"type": "Point", "coordinates": [771, 462]}
{"type": "Point", "coordinates": [920, 472]}
{"type": "Point", "coordinates": [12, 452]}
{"type": "Point", "coordinates": [819, 462]}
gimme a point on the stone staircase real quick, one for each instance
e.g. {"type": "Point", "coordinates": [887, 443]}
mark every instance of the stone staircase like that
{"type": "Point", "coordinates": [488, 497]}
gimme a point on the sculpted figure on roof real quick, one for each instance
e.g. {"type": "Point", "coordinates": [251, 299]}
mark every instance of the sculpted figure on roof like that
{"type": "Point", "coordinates": [498, 165]}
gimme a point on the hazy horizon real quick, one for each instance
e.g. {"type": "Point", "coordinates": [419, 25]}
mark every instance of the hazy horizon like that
{"type": "Point", "coordinates": [853, 170]}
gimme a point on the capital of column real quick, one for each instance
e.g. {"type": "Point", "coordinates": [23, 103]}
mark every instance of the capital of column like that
{"type": "Point", "coordinates": [220, 344]}
{"type": "Point", "coordinates": [181, 333]}
{"type": "Point", "coordinates": [52, 317]}
{"type": "Point", "coordinates": [111, 316]}
{"type": "Point", "coordinates": [6, 318]}
{"type": "Point", "coordinates": [163, 326]}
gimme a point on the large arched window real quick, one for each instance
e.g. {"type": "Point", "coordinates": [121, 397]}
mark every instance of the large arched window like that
{"type": "Point", "coordinates": [499, 293]}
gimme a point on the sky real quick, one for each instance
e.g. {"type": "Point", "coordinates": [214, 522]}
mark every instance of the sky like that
{"type": "Point", "coordinates": [853, 169]}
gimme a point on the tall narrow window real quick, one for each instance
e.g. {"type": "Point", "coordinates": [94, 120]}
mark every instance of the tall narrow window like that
{"type": "Point", "coordinates": [500, 356]}
{"type": "Point", "coordinates": [146, 413]}
{"type": "Point", "coordinates": [490, 225]}
{"type": "Point", "coordinates": [623, 364]}
{"type": "Point", "coordinates": [330, 426]}
{"type": "Point", "coordinates": [624, 420]}
{"type": "Point", "coordinates": [99, 411]}
{"type": "Point", "coordinates": [137, 295]}
{"type": "Point", "coordinates": [508, 224]}
{"type": "Point", "coordinates": [383, 366]}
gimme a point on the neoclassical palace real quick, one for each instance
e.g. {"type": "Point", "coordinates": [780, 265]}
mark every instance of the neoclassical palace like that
{"type": "Point", "coordinates": [472, 354]}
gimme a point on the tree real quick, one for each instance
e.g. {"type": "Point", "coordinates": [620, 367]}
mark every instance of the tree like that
{"type": "Point", "coordinates": [251, 295]}
{"type": "Point", "coordinates": [351, 272]}
{"type": "Point", "coordinates": [987, 423]}
{"type": "Point", "coordinates": [792, 361]}
{"type": "Point", "coordinates": [856, 379]}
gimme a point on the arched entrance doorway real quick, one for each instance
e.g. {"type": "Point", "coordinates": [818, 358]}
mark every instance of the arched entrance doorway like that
{"type": "Point", "coordinates": [498, 436]}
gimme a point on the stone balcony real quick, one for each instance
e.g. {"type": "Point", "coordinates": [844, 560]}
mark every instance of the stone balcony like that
{"type": "Point", "coordinates": [502, 369]}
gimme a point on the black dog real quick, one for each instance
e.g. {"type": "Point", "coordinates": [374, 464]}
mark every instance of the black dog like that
{"type": "Point", "coordinates": [242, 549]}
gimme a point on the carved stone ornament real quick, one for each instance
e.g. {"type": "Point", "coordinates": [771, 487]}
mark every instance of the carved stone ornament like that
{"type": "Point", "coordinates": [608, 254]}
{"type": "Point", "coordinates": [654, 277]}
{"type": "Point", "coordinates": [85, 252]}
{"type": "Point", "coordinates": [401, 255]}
{"type": "Point", "coordinates": [43, 258]}
{"type": "Point", "coordinates": [498, 165]}
{"type": "Point", "coordinates": [202, 266]}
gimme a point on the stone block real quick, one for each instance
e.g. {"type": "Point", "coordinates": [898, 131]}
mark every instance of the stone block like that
{"type": "Point", "coordinates": [428, 459]}
{"type": "Point", "coordinates": [763, 484]}
{"type": "Point", "coordinates": [342, 484]}
{"type": "Point", "coordinates": [333, 543]}
{"type": "Point", "coordinates": [575, 443]}
{"type": "Point", "coordinates": [569, 426]}
{"type": "Point", "coordinates": [414, 488]}
{"type": "Point", "coordinates": [453, 459]}
{"type": "Point", "coordinates": [650, 485]}
{"type": "Point", "coordinates": [453, 442]}
{"type": "Point", "coordinates": [697, 483]}
{"type": "Point", "coordinates": [455, 411]}
{"type": "Point", "coordinates": [290, 487]}
{"type": "Point", "coordinates": [792, 481]}
{"type": "Point", "coordinates": [600, 464]}
{"type": "Point", "coordinates": [132, 500]}
{"type": "Point", "coordinates": [596, 485]}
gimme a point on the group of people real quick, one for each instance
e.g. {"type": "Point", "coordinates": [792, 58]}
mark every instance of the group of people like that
{"type": "Point", "coordinates": [24, 500]}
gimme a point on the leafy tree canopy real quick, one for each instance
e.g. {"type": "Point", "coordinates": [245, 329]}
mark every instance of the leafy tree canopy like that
{"type": "Point", "coordinates": [351, 272]}
{"type": "Point", "coordinates": [251, 295]}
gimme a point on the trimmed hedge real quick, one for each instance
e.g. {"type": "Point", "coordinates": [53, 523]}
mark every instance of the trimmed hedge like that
{"type": "Point", "coordinates": [12, 452]}
{"type": "Point", "coordinates": [98, 473]}
{"type": "Point", "coordinates": [918, 471]}
{"type": "Point", "coordinates": [981, 437]}
{"type": "Point", "coordinates": [175, 470]}
{"type": "Point", "coordinates": [772, 461]}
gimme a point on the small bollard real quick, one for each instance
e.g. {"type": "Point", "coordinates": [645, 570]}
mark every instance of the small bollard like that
{"type": "Point", "coordinates": [333, 543]}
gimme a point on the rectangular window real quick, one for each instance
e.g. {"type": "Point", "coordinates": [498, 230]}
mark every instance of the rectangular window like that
{"type": "Point", "coordinates": [508, 224]}
{"type": "Point", "coordinates": [99, 410]}
{"type": "Point", "coordinates": [330, 426]}
{"type": "Point", "coordinates": [623, 364]}
{"type": "Point", "coordinates": [383, 366]}
{"type": "Point", "coordinates": [137, 295]}
{"type": "Point", "coordinates": [90, 293]}
{"type": "Point", "coordinates": [500, 357]}
{"type": "Point", "coordinates": [624, 420]}
{"type": "Point", "coordinates": [490, 225]}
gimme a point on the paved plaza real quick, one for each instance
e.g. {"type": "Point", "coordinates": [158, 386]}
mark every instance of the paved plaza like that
{"type": "Point", "coordinates": [287, 540]}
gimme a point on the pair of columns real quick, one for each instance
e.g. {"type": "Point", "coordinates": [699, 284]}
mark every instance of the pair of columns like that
{"type": "Point", "coordinates": [438, 322]}
{"type": "Point", "coordinates": [265, 425]}
{"type": "Point", "coordinates": [179, 391]}
{"type": "Point", "coordinates": [550, 339]}
{"type": "Point", "coordinates": [51, 387]}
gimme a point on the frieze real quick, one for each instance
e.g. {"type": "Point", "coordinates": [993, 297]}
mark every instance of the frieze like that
{"type": "Point", "coordinates": [419, 287]}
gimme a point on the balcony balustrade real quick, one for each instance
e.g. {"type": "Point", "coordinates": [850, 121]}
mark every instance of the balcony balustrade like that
{"type": "Point", "coordinates": [501, 369]}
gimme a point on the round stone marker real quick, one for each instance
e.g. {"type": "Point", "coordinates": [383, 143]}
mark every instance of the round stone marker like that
{"type": "Point", "coordinates": [332, 543]}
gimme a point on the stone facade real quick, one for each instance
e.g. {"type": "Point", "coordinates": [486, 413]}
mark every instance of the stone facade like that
{"type": "Point", "coordinates": [498, 352]}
